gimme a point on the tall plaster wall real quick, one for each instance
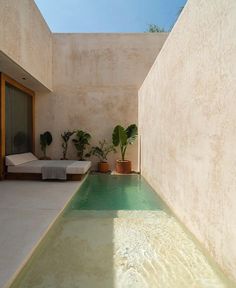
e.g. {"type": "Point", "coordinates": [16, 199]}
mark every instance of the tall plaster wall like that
{"type": "Point", "coordinates": [26, 39]}
{"type": "Point", "coordinates": [187, 123]}
{"type": "Point", "coordinates": [96, 78]}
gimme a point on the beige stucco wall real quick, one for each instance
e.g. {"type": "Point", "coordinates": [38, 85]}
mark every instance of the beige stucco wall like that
{"type": "Point", "coordinates": [26, 39]}
{"type": "Point", "coordinates": [188, 125]}
{"type": "Point", "coordinates": [96, 78]}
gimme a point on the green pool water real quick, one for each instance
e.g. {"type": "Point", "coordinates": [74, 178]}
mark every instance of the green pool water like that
{"type": "Point", "coordinates": [117, 233]}
{"type": "Point", "coordinates": [108, 192]}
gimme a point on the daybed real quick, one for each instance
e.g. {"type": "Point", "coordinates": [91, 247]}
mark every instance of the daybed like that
{"type": "Point", "coordinates": [28, 167]}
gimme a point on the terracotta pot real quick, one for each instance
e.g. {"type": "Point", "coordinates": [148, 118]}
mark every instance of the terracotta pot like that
{"type": "Point", "coordinates": [123, 167]}
{"type": "Point", "coordinates": [103, 167]}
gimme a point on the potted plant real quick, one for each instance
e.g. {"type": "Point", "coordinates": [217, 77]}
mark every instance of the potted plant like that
{"type": "Point", "coordinates": [80, 142]}
{"type": "Point", "coordinates": [45, 140]}
{"type": "Point", "coordinates": [123, 137]}
{"type": "Point", "coordinates": [102, 152]}
{"type": "Point", "coordinates": [65, 139]}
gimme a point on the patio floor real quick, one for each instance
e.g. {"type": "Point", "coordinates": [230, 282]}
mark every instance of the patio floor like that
{"type": "Point", "coordinates": [27, 209]}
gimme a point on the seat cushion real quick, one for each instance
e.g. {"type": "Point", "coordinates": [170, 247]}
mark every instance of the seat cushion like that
{"type": "Point", "coordinates": [73, 167]}
{"type": "Point", "coordinates": [17, 159]}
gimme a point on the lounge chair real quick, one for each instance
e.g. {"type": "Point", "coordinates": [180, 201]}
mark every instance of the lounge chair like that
{"type": "Point", "coordinates": [28, 167]}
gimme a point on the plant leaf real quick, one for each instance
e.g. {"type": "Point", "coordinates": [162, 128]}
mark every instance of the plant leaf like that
{"type": "Point", "coordinates": [119, 136]}
{"type": "Point", "coordinates": [132, 133]}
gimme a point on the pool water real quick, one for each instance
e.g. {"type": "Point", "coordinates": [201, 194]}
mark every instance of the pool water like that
{"type": "Point", "coordinates": [103, 192]}
{"type": "Point", "coordinates": [116, 232]}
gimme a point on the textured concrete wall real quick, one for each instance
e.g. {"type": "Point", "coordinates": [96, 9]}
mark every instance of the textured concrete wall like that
{"type": "Point", "coordinates": [96, 78]}
{"type": "Point", "coordinates": [26, 39]}
{"type": "Point", "coordinates": [188, 125]}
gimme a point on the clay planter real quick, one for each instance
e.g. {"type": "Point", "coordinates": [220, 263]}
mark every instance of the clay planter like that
{"type": "Point", "coordinates": [123, 167]}
{"type": "Point", "coordinates": [103, 167]}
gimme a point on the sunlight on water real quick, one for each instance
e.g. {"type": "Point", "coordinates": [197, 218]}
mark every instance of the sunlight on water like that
{"type": "Point", "coordinates": [118, 248]}
{"type": "Point", "coordinates": [152, 250]}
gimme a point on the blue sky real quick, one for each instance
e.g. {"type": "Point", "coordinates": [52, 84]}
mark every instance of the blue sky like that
{"type": "Point", "coordinates": [108, 15]}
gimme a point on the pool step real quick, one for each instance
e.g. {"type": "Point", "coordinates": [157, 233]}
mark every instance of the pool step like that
{"type": "Point", "coordinates": [117, 213]}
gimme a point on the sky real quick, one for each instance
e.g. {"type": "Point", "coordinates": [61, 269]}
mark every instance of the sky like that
{"type": "Point", "coordinates": [108, 15]}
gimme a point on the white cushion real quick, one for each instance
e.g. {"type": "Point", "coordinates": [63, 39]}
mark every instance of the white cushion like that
{"type": "Point", "coordinates": [17, 159]}
{"type": "Point", "coordinates": [74, 167]}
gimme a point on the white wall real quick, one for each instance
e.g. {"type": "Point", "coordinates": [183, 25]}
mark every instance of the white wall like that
{"type": "Point", "coordinates": [26, 39]}
{"type": "Point", "coordinates": [96, 78]}
{"type": "Point", "coordinates": [187, 118]}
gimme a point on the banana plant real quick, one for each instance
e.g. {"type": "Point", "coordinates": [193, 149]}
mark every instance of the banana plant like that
{"type": "Point", "coordinates": [123, 137]}
{"type": "Point", "coordinates": [81, 141]}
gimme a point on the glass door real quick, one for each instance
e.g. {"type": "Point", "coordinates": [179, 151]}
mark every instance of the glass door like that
{"type": "Point", "coordinates": [18, 121]}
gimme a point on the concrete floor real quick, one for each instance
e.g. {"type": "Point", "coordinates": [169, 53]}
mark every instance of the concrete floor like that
{"type": "Point", "coordinates": [27, 209]}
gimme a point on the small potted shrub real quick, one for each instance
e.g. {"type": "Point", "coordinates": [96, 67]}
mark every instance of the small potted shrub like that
{"type": "Point", "coordinates": [45, 140]}
{"type": "Point", "coordinates": [123, 137]}
{"type": "Point", "coordinates": [65, 140]}
{"type": "Point", "coordinates": [80, 141]}
{"type": "Point", "coordinates": [102, 152]}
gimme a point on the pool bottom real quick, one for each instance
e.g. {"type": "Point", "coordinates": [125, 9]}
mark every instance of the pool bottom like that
{"type": "Point", "coordinates": [118, 249]}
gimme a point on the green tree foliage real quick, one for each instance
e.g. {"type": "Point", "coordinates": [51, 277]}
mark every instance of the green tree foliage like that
{"type": "Point", "coordinates": [153, 28]}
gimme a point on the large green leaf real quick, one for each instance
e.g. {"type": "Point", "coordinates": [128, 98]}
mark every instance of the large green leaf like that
{"type": "Point", "coordinates": [115, 136]}
{"type": "Point", "coordinates": [46, 138]}
{"type": "Point", "coordinates": [132, 133]}
{"type": "Point", "coordinates": [119, 136]}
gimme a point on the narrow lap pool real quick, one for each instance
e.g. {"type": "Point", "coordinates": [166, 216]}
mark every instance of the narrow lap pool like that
{"type": "Point", "coordinates": [116, 232]}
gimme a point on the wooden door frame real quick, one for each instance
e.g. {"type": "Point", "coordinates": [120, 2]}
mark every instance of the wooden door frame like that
{"type": "Point", "coordinates": [3, 80]}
